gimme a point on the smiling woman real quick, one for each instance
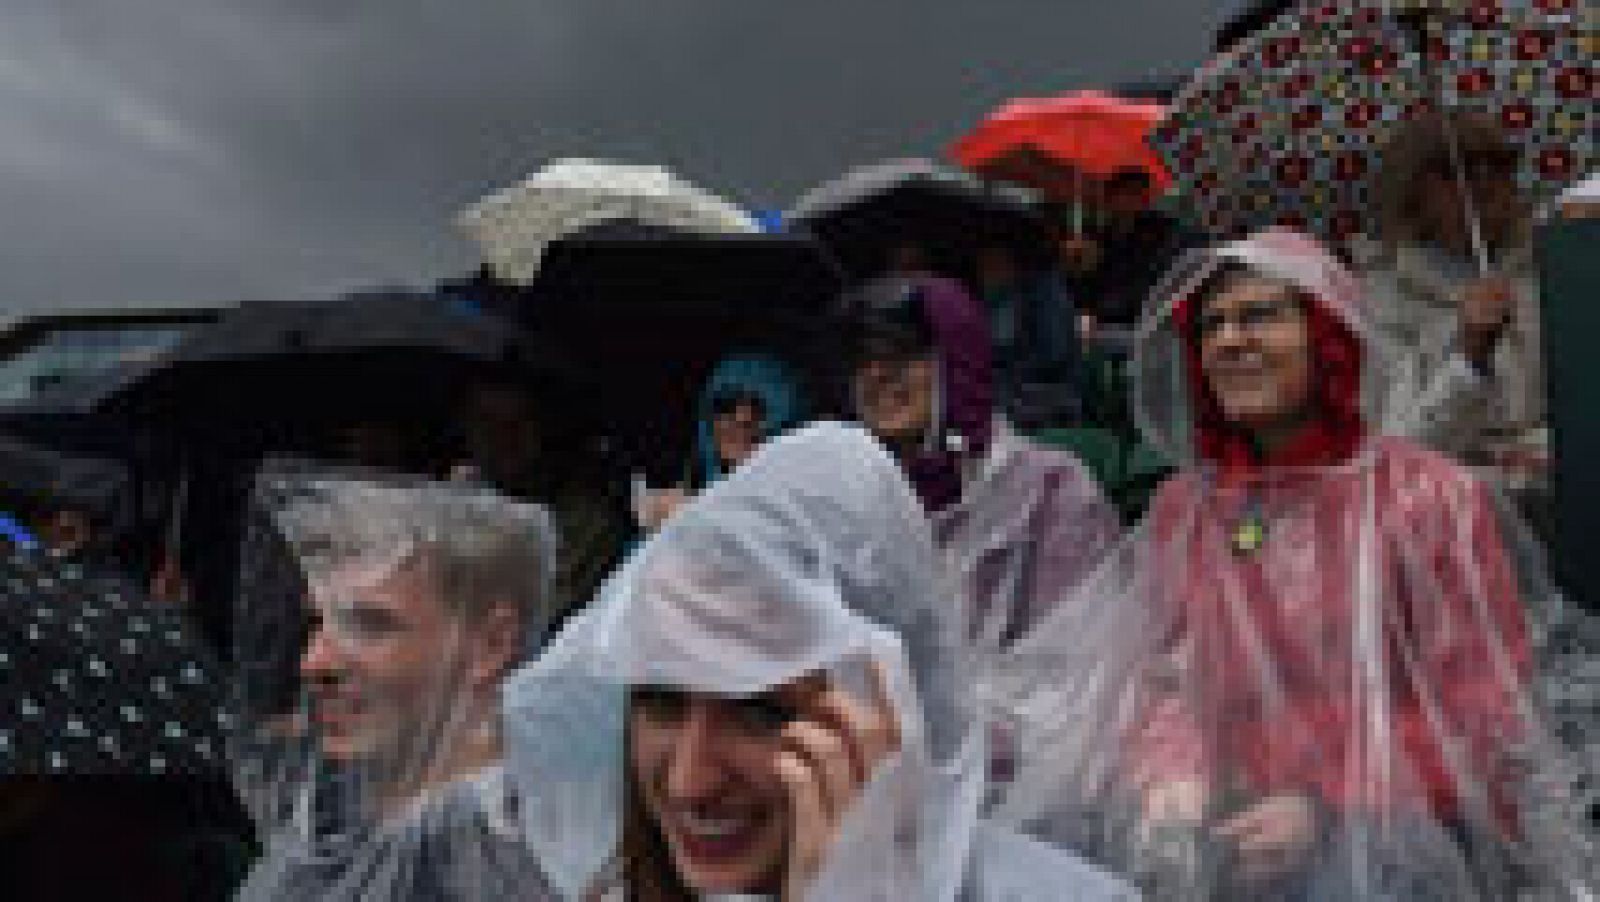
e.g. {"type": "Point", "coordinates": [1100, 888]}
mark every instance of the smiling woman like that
{"type": "Point", "coordinates": [773, 698]}
{"type": "Point", "coordinates": [1321, 676]}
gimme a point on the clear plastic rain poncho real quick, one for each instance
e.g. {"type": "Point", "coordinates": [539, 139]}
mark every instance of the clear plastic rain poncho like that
{"type": "Point", "coordinates": [813, 561]}
{"type": "Point", "coordinates": [377, 620]}
{"type": "Point", "coordinates": [1315, 676]}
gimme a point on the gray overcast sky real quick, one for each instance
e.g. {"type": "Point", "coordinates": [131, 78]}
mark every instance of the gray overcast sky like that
{"type": "Point", "coordinates": [169, 152]}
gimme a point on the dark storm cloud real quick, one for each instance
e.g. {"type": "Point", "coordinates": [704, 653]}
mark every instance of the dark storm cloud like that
{"type": "Point", "coordinates": [197, 151]}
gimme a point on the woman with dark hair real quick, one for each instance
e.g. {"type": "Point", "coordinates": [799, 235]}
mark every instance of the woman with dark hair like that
{"type": "Point", "coordinates": [1016, 522]}
{"type": "Point", "coordinates": [748, 399]}
{"type": "Point", "coordinates": [773, 698]}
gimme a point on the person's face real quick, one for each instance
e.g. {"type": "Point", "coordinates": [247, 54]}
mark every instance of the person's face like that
{"type": "Point", "coordinates": [1255, 352]}
{"type": "Point", "coordinates": [706, 771]}
{"type": "Point", "coordinates": [895, 397]}
{"type": "Point", "coordinates": [736, 430]}
{"type": "Point", "coordinates": [386, 659]}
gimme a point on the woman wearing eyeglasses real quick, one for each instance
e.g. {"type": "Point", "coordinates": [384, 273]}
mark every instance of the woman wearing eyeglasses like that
{"type": "Point", "coordinates": [1322, 685]}
{"type": "Point", "coordinates": [1018, 522]}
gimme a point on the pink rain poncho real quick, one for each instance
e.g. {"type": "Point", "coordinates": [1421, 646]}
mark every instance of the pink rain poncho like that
{"type": "Point", "coordinates": [1351, 621]}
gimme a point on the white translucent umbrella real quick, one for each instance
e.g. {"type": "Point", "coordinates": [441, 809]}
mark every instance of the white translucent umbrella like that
{"type": "Point", "coordinates": [514, 226]}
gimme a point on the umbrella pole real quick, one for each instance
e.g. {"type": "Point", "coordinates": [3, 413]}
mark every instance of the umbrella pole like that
{"type": "Point", "coordinates": [1480, 247]}
{"type": "Point", "coordinates": [1077, 202]}
{"type": "Point", "coordinates": [1416, 23]}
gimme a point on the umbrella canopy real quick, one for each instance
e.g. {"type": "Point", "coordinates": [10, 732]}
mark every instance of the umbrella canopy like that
{"type": "Point", "coordinates": [97, 681]}
{"type": "Point", "coordinates": [1042, 142]}
{"type": "Point", "coordinates": [649, 310]}
{"type": "Point", "coordinates": [516, 226]}
{"type": "Point", "coordinates": [1289, 129]}
{"type": "Point", "coordinates": [865, 215]}
{"type": "Point", "coordinates": [405, 356]}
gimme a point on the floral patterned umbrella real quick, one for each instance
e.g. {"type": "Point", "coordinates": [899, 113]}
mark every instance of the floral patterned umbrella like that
{"type": "Point", "coordinates": [1289, 129]}
{"type": "Point", "coordinates": [1530, 64]}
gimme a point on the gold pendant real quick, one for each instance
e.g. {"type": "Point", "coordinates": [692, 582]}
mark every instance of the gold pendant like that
{"type": "Point", "coordinates": [1249, 535]}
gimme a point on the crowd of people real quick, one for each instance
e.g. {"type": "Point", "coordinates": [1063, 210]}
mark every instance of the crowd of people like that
{"type": "Point", "coordinates": [903, 643]}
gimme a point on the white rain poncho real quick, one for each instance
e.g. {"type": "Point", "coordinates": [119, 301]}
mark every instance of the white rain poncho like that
{"type": "Point", "coordinates": [376, 622]}
{"type": "Point", "coordinates": [1352, 630]}
{"type": "Point", "coordinates": [814, 558]}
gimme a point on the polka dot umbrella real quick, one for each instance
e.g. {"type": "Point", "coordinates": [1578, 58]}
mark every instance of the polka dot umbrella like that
{"type": "Point", "coordinates": [97, 681]}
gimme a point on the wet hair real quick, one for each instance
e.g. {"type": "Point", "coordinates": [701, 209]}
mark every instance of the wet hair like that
{"type": "Point", "coordinates": [469, 555]}
{"type": "Point", "coordinates": [887, 322]}
{"type": "Point", "coordinates": [647, 872]}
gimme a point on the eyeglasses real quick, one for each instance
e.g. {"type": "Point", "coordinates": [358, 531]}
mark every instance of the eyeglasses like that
{"type": "Point", "coordinates": [1252, 316]}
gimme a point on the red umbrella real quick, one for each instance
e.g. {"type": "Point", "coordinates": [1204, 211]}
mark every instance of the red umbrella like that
{"type": "Point", "coordinates": [1051, 143]}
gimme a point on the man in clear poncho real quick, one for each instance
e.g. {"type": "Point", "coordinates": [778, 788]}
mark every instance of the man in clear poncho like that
{"type": "Point", "coordinates": [377, 623]}
{"type": "Point", "coordinates": [1315, 667]}
{"type": "Point", "coordinates": [771, 699]}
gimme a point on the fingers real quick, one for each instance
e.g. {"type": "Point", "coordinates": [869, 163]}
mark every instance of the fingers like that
{"type": "Point", "coordinates": [869, 729]}
{"type": "Point", "coordinates": [809, 826]}
{"type": "Point", "coordinates": [824, 759]}
{"type": "Point", "coordinates": [1272, 838]}
{"type": "Point", "coordinates": [828, 760]}
{"type": "Point", "coordinates": [1178, 800]}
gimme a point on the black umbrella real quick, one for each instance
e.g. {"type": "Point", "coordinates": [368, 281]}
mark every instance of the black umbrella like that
{"type": "Point", "coordinates": [866, 214]}
{"type": "Point", "coordinates": [648, 311]}
{"type": "Point", "coordinates": [283, 379]}
{"type": "Point", "coordinates": [95, 680]}
{"type": "Point", "coordinates": [371, 355]}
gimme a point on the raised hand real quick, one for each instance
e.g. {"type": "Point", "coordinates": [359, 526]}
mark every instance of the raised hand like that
{"type": "Point", "coordinates": [826, 755]}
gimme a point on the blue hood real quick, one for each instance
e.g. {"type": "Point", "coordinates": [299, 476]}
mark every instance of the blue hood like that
{"type": "Point", "coordinates": [769, 379]}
